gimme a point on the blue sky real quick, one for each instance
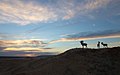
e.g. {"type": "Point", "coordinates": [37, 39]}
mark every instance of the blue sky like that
{"type": "Point", "coordinates": [42, 27]}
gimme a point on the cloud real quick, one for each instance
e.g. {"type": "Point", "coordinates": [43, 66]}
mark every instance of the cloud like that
{"type": "Point", "coordinates": [72, 8]}
{"type": "Point", "coordinates": [27, 49]}
{"type": "Point", "coordinates": [22, 43]}
{"type": "Point", "coordinates": [25, 13]}
{"type": "Point", "coordinates": [21, 36]}
{"type": "Point", "coordinates": [23, 48]}
{"type": "Point", "coordinates": [17, 11]}
{"type": "Point", "coordinates": [89, 36]}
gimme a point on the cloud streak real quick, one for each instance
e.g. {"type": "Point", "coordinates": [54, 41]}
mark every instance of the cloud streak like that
{"type": "Point", "coordinates": [89, 36]}
{"type": "Point", "coordinates": [22, 43]}
{"type": "Point", "coordinates": [17, 11]}
{"type": "Point", "coordinates": [24, 48]}
{"type": "Point", "coordinates": [24, 13]}
{"type": "Point", "coordinates": [71, 8]}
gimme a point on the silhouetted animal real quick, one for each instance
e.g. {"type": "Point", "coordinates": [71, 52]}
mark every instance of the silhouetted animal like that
{"type": "Point", "coordinates": [105, 45]}
{"type": "Point", "coordinates": [83, 44]}
{"type": "Point", "coordinates": [98, 44]}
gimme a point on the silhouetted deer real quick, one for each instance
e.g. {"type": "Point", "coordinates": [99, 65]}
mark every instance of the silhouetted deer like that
{"type": "Point", "coordinates": [98, 44]}
{"type": "Point", "coordinates": [83, 44]}
{"type": "Point", "coordinates": [105, 45]}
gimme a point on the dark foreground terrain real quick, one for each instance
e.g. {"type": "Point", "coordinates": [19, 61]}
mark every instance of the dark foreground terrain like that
{"type": "Point", "coordinates": [72, 62]}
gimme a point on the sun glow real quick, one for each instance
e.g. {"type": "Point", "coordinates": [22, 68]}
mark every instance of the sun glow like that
{"type": "Point", "coordinates": [27, 55]}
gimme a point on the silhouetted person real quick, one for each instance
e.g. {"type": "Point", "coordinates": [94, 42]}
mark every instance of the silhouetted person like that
{"type": "Point", "coordinates": [83, 44]}
{"type": "Point", "coordinates": [98, 44]}
{"type": "Point", "coordinates": [105, 45]}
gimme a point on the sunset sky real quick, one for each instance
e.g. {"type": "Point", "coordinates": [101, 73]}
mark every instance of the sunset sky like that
{"type": "Point", "coordinates": [48, 27]}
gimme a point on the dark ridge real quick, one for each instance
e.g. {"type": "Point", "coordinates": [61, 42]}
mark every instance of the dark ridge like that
{"type": "Point", "coordinates": [77, 61]}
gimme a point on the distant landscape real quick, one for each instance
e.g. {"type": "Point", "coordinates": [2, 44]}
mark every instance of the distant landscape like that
{"type": "Point", "coordinates": [77, 61]}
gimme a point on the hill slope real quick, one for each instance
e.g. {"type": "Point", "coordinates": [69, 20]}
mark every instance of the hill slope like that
{"type": "Point", "coordinates": [72, 62]}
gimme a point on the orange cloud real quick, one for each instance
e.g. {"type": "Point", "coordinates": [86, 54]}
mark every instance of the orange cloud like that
{"type": "Point", "coordinates": [27, 49]}
{"type": "Point", "coordinates": [30, 42]}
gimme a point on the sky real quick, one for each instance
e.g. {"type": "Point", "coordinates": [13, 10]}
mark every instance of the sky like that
{"type": "Point", "coordinates": [50, 27]}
